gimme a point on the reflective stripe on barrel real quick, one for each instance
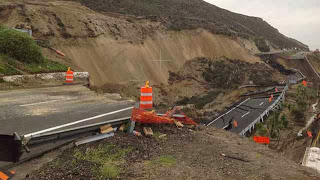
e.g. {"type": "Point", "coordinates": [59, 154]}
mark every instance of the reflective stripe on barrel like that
{"type": "Point", "coordinates": [146, 98]}
{"type": "Point", "coordinates": [69, 76]}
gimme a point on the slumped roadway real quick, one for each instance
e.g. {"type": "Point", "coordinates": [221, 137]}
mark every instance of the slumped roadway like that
{"type": "Point", "coordinates": [244, 114]}
{"type": "Point", "coordinates": [32, 110]}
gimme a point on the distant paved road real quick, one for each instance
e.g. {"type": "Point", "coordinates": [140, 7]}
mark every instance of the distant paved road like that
{"type": "Point", "coordinates": [29, 110]}
{"type": "Point", "coordinates": [245, 112]}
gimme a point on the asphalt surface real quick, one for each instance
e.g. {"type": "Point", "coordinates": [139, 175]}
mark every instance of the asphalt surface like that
{"type": "Point", "coordinates": [31, 110]}
{"type": "Point", "coordinates": [247, 110]}
{"type": "Point", "coordinates": [244, 115]}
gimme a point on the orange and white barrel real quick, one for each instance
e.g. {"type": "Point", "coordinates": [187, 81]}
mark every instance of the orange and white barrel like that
{"type": "Point", "coordinates": [69, 76]}
{"type": "Point", "coordinates": [146, 97]}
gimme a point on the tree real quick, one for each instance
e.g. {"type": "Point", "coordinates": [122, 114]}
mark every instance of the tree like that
{"type": "Point", "coordinates": [275, 124]}
{"type": "Point", "coordinates": [261, 44]}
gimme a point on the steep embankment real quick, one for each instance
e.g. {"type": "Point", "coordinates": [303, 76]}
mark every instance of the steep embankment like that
{"type": "Point", "coordinates": [301, 64]}
{"type": "Point", "coordinates": [119, 48]}
{"type": "Point", "coordinates": [210, 154]}
{"type": "Point", "coordinates": [192, 14]}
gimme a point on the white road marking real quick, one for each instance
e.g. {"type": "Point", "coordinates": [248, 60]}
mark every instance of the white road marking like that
{"type": "Point", "coordinates": [245, 114]}
{"type": "Point", "coordinates": [261, 104]}
{"type": "Point", "coordinates": [228, 111]}
{"type": "Point", "coordinates": [45, 102]}
{"type": "Point", "coordinates": [76, 122]}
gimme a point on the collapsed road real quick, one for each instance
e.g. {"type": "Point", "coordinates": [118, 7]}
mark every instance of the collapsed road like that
{"type": "Point", "coordinates": [247, 113]}
{"type": "Point", "coordinates": [242, 116]}
{"type": "Point", "coordinates": [39, 110]}
{"type": "Point", "coordinates": [37, 113]}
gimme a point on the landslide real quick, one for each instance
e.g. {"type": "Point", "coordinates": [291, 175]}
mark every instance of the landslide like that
{"type": "Point", "coordinates": [286, 65]}
{"type": "Point", "coordinates": [204, 86]}
{"type": "Point", "coordinates": [192, 14]}
{"type": "Point", "coordinates": [119, 48]}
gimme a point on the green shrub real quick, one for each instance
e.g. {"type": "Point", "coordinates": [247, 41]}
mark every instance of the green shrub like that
{"type": "Point", "coordinates": [298, 115]}
{"type": "Point", "coordinates": [261, 44]}
{"type": "Point", "coordinates": [166, 160]}
{"type": "Point", "coordinates": [109, 171]}
{"type": "Point", "coordinates": [222, 74]}
{"type": "Point", "coordinates": [45, 67]}
{"type": "Point", "coordinates": [19, 46]}
{"type": "Point", "coordinates": [5, 67]}
{"type": "Point", "coordinates": [285, 122]}
{"type": "Point", "coordinates": [261, 129]}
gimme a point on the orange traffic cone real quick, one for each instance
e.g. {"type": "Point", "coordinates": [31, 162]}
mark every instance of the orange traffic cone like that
{"type": "Point", "coordinates": [304, 83]}
{"type": "Point", "coordinates": [235, 123]}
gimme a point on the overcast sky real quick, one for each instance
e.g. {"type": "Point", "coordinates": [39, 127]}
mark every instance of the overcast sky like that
{"type": "Point", "coordinates": [298, 19]}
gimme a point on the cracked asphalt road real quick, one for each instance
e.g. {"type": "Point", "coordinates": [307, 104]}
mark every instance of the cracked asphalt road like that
{"type": "Point", "coordinates": [30, 110]}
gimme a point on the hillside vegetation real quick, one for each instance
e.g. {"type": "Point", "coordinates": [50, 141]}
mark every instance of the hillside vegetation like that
{"type": "Point", "coordinates": [192, 14]}
{"type": "Point", "coordinates": [20, 54]}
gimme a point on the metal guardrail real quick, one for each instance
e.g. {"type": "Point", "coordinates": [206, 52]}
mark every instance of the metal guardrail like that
{"type": "Point", "coordinates": [47, 137]}
{"type": "Point", "coordinates": [273, 107]}
{"type": "Point", "coordinates": [11, 146]}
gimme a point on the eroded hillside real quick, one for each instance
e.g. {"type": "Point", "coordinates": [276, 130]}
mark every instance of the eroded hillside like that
{"type": "Point", "coordinates": [117, 48]}
{"type": "Point", "coordinates": [192, 14]}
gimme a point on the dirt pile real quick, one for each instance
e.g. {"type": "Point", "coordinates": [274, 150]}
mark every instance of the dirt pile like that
{"type": "Point", "coordinates": [181, 154]}
{"type": "Point", "coordinates": [193, 14]}
{"type": "Point", "coordinates": [286, 65]}
{"type": "Point", "coordinates": [209, 75]}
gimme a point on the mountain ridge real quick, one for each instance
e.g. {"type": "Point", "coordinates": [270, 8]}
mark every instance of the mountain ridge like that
{"type": "Point", "coordinates": [193, 14]}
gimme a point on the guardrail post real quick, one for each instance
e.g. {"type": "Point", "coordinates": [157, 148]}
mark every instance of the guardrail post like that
{"type": "Point", "coordinates": [132, 125]}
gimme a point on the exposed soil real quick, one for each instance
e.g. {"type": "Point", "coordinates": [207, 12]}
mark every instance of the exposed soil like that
{"type": "Point", "coordinates": [193, 14]}
{"type": "Point", "coordinates": [203, 79]}
{"type": "Point", "coordinates": [182, 154]}
{"type": "Point", "coordinates": [117, 48]}
{"type": "Point", "coordinates": [303, 66]}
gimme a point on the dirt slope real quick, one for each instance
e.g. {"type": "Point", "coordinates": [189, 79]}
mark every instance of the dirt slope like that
{"type": "Point", "coordinates": [182, 154]}
{"type": "Point", "coordinates": [192, 14]}
{"type": "Point", "coordinates": [119, 48]}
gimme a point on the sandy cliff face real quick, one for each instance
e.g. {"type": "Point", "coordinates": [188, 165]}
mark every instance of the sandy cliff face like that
{"type": "Point", "coordinates": [116, 48]}
{"type": "Point", "coordinates": [110, 61]}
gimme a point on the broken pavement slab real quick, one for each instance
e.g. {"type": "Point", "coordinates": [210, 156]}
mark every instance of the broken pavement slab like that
{"type": "Point", "coordinates": [106, 129]}
{"type": "Point", "coordinates": [178, 124]}
{"type": "Point", "coordinates": [147, 131]}
{"type": "Point", "coordinates": [122, 127]}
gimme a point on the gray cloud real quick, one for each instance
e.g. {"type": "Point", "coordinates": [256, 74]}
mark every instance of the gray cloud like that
{"type": "Point", "coordinates": [298, 19]}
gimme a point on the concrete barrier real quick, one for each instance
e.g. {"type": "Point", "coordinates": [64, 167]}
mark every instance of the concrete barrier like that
{"type": "Point", "coordinates": [45, 76]}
